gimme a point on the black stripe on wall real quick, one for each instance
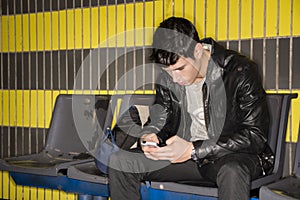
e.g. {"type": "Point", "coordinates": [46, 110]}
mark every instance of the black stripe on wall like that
{"type": "Point", "coordinates": [283, 67]}
{"type": "Point", "coordinates": [54, 70]}
{"type": "Point", "coordinates": [32, 6]}
{"type": "Point", "coordinates": [27, 70]}
{"type": "Point", "coordinates": [20, 139]}
{"type": "Point", "coordinates": [296, 63]}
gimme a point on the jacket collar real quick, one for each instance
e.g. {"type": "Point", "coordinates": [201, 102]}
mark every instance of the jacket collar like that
{"type": "Point", "coordinates": [217, 51]}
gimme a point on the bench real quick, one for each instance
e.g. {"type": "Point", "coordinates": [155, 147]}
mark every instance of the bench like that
{"type": "Point", "coordinates": [279, 105]}
{"type": "Point", "coordinates": [63, 147]}
{"type": "Point", "coordinates": [81, 175]}
{"type": "Point", "coordinates": [65, 162]}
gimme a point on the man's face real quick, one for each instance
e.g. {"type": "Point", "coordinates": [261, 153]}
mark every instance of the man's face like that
{"type": "Point", "coordinates": [185, 71]}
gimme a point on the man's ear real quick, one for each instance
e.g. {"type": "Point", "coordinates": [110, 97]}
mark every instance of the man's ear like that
{"type": "Point", "coordinates": [198, 51]}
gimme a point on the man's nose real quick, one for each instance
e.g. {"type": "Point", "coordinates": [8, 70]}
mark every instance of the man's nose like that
{"type": "Point", "coordinates": [175, 76]}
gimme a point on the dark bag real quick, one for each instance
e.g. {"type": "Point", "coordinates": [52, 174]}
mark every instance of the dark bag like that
{"type": "Point", "coordinates": [118, 137]}
{"type": "Point", "coordinates": [106, 146]}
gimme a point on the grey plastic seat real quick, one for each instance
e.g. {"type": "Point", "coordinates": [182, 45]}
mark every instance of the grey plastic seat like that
{"type": "Point", "coordinates": [287, 187]}
{"type": "Point", "coordinates": [88, 172]}
{"type": "Point", "coordinates": [63, 144]}
{"type": "Point", "coordinates": [279, 105]}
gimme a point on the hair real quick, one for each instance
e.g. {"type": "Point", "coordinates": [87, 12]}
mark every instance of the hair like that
{"type": "Point", "coordinates": [173, 38]}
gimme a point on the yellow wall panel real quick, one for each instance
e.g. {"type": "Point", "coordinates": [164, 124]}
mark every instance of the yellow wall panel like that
{"type": "Point", "coordinates": [129, 24]}
{"type": "Point", "coordinates": [177, 8]}
{"type": "Point", "coordinates": [285, 16]}
{"type": "Point", "coordinates": [6, 180]}
{"type": "Point", "coordinates": [258, 19]}
{"type": "Point", "coordinates": [55, 30]}
{"type": "Point", "coordinates": [40, 31]}
{"type": "Point", "coordinates": [111, 19]}
{"type": "Point", "coordinates": [48, 194]}
{"type": "Point", "coordinates": [33, 109]}
{"type": "Point", "coordinates": [296, 17]}
{"type": "Point", "coordinates": [4, 33]}
{"type": "Point", "coordinates": [199, 20]}
{"type": "Point", "coordinates": [12, 190]}
{"type": "Point", "coordinates": [211, 19]}
{"type": "Point", "coordinates": [26, 30]}
{"type": "Point", "coordinates": [149, 23]}
{"type": "Point", "coordinates": [1, 183]}
{"type": "Point", "coordinates": [40, 193]}
{"type": "Point", "coordinates": [19, 192]}
{"type": "Point", "coordinates": [189, 10]}
{"type": "Point", "coordinates": [86, 28]}
{"type": "Point", "coordinates": [159, 13]}
{"type": "Point", "coordinates": [63, 30]}
{"type": "Point", "coordinates": [139, 21]}
{"type": "Point", "coordinates": [222, 20]}
{"type": "Point", "coordinates": [1, 107]}
{"type": "Point", "coordinates": [33, 193]}
{"type": "Point", "coordinates": [6, 119]}
{"type": "Point", "coordinates": [233, 19]}
{"type": "Point", "coordinates": [165, 7]}
{"type": "Point", "coordinates": [44, 32]}
{"type": "Point", "coordinates": [19, 36]}
{"type": "Point", "coordinates": [12, 108]}
{"type": "Point", "coordinates": [26, 98]}
{"type": "Point", "coordinates": [103, 27]}
{"type": "Point", "coordinates": [41, 109]}
{"type": "Point", "coordinates": [26, 192]}
{"type": "Point", "coordinates": [62, 195]}
{"type": "Point", "coordinates": [70, 29]}
{"type": "Point", "coordinates": [78, 29]}
{"type": "Point", "coordinates": [11, 34]}
{"type": "Point", "coordinates": [121, 26]}
{"type": "Point", "coordinates": [20, 108]}
{"type": "Point", "coordinates": [48, 28]}
{"type": "Point", "coordinates": [56, 194]}
{"type": "Point", "coordinates": [246, 19]}
{"type": "Point", "coordinates": [33, 32]}
{"type": "Point", "coordinates": [271, 14]}
{"type": "Point", "coordinates": [95, 26]}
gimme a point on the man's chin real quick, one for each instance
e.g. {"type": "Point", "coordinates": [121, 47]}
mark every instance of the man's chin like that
{"type": "Point", "coordinates": [182, 83]}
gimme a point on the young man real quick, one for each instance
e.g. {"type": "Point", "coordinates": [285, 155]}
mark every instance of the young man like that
{"type": "Point", "coordinates": [210, 118]}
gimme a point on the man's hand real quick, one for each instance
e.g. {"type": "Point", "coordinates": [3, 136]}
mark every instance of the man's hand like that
{"type": "Point", "coordinates": [151, 137]}
{"type": "Point", "coordinates": [177, 150]}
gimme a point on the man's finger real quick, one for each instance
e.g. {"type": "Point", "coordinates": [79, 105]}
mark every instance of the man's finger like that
{"type": "Point", "coordinates": [148, 155]}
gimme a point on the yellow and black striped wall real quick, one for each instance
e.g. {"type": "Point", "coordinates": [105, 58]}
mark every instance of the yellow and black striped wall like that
{"type": "Point", "coordinates": [44, 44]}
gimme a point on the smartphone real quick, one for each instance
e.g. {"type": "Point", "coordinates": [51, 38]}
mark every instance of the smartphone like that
{"type": "Point", "coordinates": [153, 144]}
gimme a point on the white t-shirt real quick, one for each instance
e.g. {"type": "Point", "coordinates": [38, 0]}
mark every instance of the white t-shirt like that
{"type": "Point", "coordinates": [196, 111]}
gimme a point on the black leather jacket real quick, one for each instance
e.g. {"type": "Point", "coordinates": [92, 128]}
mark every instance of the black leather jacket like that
{"type": "Point", "coordinates": [236, 112]}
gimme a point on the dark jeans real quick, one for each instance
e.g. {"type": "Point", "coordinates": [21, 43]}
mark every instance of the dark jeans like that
{"type": "Point", "coordinates": [231, 173]}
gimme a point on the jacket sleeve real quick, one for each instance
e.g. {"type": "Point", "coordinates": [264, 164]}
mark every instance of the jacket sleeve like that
{"type": "Point", "coordinates": [248, 134]}
{"type": "Point", "coordinates": [164, 113]}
